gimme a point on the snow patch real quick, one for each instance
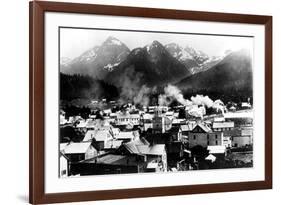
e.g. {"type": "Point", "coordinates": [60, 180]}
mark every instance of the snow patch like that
{"type": "Point", "coordinates": [115, 42]}
{"type": "Point", "coordinates": [148, 49]}
{"type": "Point", "coordinates": [91, 55]}
{"type": "Point", "coordinates": [110, 67]}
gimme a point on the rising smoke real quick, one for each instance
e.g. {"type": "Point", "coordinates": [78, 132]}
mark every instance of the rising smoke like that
{"type": "Point", "coordinates": [196, 106]}
{"type": "Point", "coordinates": [132, 88]}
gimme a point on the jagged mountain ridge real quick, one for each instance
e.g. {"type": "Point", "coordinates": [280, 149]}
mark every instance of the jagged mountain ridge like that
{"type": "Point", "coordinates": [99, 60]}
{"type": "Point", "coordinates": [195, 61]}
{"type": "Point", "coordinates": [150, 65]}
{"type": "Point", "coordinates": [233, 72]}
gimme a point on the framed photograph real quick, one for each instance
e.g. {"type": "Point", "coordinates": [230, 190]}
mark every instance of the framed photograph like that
{"type": "Point", "coordinates": [138, 102]}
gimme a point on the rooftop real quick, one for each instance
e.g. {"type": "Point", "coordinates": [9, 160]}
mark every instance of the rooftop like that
{"type": "Point", "coordinates": [217, 149]}
{"type": "Point", "coordinates": [187, 127]}
{"type": "Point", "coordinates": [157, 149]}
{"type": "Point", "coordinates": [77, 148]}
{"type": "Point", "coordinates": [99, 135]}
{"type": "Point", "coordinates": [203, 126]}
{"type": "Point", "coordinates": [223, 125]}
{"type": "Point", "coordinates": [115, 160]}
{"type": "Point", "coordinates": [125, 135]}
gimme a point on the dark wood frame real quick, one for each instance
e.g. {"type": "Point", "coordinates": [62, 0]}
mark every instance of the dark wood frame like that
{"type": "Point", "coordinates": [36, 101]}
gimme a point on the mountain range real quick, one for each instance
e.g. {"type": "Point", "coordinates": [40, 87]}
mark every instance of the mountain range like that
{"type": "Point", "coordinates": [99, 60]}
{"type": "Point", "coordinates": [234, 72]}
{"type": "Point", "coordinates": [158, 65]}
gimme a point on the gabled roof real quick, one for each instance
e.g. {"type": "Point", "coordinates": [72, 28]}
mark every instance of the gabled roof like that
{"type": "Point", "coordinates": [99, 135]}
{"type": "Point", "coordinates": [157, 149]}
{"type": "Point", "coordinates": [175, 129]}
{"type": "Point", "coordinates": [77, 148]}
{"type": "Point", "coordinates": [204, 127]}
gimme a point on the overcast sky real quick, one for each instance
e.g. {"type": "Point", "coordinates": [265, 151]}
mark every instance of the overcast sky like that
{"type": "Point", "coordinates": [73, 42]}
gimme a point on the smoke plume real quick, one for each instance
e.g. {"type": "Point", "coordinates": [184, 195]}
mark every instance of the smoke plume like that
{"type": "Point", "coordinates": [196, 106]}
{"type": "Point", "coordinates": [132, 88]}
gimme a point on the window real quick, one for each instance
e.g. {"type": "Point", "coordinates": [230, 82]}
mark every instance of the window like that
{"type": "Point", "coordinates": [194, 137]}
{"type": "Point", "coordinates": [216, 136]}
{"type": "Point", "coordinates": [207, 137]}
{"type": "Point", "coordinates": [208, 143]}
{"type": "Point", "coordinates": [216, 142]}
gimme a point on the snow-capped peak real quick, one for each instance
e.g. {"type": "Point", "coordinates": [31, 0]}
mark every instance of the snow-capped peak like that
{"type": "Point", "coordinates": [113, 41]}
{"type": "Point", "coordinates": [154, 44]}
{"type": "Point", "coordinates": [178, 52]}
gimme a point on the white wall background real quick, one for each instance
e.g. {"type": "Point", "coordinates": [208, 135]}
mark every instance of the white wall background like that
{"type": "Point", "coordinates": [14, 100]}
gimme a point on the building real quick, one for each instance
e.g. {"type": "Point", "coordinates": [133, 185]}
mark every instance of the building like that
{"type": "Point", "coordinates": [178, 122]}
{"type": "Point", "coordinates": [64, 165]}
{"type": "Point", "coordinates": [156, 153]}
{"type": "Point", "coordinates": [217, 150]}
{"type": "Point", "coordinates": [243, 137]}
{"type": "Point", "coordinates": [62, 118]}
{"type": "Point", "coordinates": [115, 132]}
{"type": "Point", "coordinates": [79, 151]}
{"type": "Point", "coordinates": [187, 128]}
{"type": "Point", "coordinates": [81, 125]}
{"type": "Point", "coordinates": [125, 136]}
{"type": "Point", "coordinates": [160, 122]}
{"type": "Point", "coordinates": [100, 138]}
{"type": "Point", "coordinates": [204, 136]}
{"type": "Point", "coordinates": [176, 134]}
{"type": "Point", "coordinates": [126, 119]}
{"type": "Point", "coordinates": [245, 105]}
{"type": "Point", "coordinates": [222, 126]}
{"type": "Point", "coordinates": [110, 164]}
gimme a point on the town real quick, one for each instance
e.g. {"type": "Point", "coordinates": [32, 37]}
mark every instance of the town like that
{"type": "Point", "coordinates": [129, 139]}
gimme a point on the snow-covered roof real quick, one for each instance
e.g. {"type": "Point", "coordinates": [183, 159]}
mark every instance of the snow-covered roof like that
{"type": "Point", "coordinates": [152, 165]}
{"type": "Point", "coordinates": [211, 157]}
{"type": "Point", "coordinates": [147, 116]}
{"type": "Point", "coordinates": [62, 146]}
{"type": "Point", "coordinates": [99, 135]}
{"type": "Point", "coordinates": [223, 124]}
{"type": "Point", "coordinates": [77, 148]}
{"type": "Point", "coordinates": [240, 114]}
{"type": "Point", "coordinates": [125, 135]}
{"type": "Point", "coordinates": [219, 119]}
{"type": "Point", "coordinates": [216, 149]}
{"type": "Point", "coordinates": [113, 144]}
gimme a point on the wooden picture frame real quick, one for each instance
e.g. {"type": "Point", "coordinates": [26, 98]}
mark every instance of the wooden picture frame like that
{"type": "Point", "coordinates": [37, 98]}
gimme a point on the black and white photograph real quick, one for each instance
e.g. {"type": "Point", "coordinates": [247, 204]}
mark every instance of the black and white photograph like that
{"type": "Point", "coordinates": [135, 102]}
